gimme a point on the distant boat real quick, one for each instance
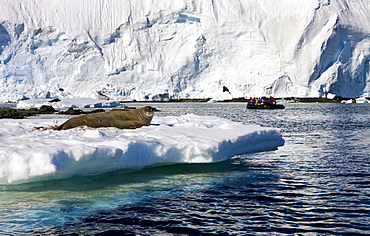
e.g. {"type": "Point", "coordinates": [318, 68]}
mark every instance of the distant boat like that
{"type": "Point", "coordinates": [263, 103]}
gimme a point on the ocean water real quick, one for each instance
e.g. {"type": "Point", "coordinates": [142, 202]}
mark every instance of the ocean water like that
{"type": "Point", "coordinates": [317, 184]}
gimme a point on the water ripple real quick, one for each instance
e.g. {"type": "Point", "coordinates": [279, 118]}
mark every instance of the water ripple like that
{"type": "Point", "coordinates": [317, 184]}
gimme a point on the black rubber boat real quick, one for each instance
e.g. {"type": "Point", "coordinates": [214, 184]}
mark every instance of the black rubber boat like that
{"type": "Point", "coordinates": [265, 106]}
{"type": "Point", "coordinates": [263, 103]}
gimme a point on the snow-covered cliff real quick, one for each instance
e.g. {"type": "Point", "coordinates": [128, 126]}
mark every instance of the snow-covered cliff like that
{"type": "Point", "coordinates": [157, 49]}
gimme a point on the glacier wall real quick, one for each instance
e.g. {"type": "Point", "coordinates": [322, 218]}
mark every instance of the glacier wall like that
{"type": "Point", "coordinates": [156, 49]}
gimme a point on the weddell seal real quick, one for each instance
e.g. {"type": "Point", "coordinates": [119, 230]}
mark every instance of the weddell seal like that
{"type": "Point", "coordinates": [127, 118]}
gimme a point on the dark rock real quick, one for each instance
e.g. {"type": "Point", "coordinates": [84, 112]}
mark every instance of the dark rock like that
{"type": "Point", "coordinates": [47, 109]}
{"type": "Point", "coordinates": [97, 111]}
{"type": "Point", "coordinates": [55, 100]}
{"type": "Point", "coordinates": [11, 113]}
{"type": "Point", "coordinates": [71, 111]}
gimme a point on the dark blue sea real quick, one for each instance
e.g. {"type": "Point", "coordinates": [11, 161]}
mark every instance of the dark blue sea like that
{"type": "Point", "coordinates": [318, 183]}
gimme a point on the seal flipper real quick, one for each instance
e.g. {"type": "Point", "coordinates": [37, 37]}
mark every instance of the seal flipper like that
{"type": "Point", "coordinates": [42, 128]}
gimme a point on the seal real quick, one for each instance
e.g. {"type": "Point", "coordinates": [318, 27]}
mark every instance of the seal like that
{"type": "Point", "coordinates": [127, 118]}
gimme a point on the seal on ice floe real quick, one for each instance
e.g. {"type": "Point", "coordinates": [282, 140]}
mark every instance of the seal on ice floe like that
{"type": "Point", "coordinates": [127, 118]}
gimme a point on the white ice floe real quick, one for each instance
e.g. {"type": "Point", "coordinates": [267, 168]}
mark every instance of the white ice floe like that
{"type": "Point", "coordinates": [28, 155]}
{"type": "Point", "coordinates": [362, 100]}
{"type": "Point", "coordinates": [357, 100]}
{"type": "Point", "coordinates": [347, 101]}
{"type": "Point", "coordinates": [67, 103]}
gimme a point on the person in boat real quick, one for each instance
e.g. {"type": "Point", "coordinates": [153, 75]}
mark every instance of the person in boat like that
{"type": "Point", "coordinates": [272, 100]}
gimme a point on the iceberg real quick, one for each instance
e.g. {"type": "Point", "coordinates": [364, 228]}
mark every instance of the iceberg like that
{"type": "Point", "coordinates": [29, 155]}
{"type": "Point", "coordinates": [161, 50]}
{"type": "Point", "coordinates": [362, 100]}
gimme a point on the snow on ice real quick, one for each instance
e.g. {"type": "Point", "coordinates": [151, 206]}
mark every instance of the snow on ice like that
{"type": "Point", "coordinates": [28, 155]}
{"type": "Point", "coordinates": [157, 50]}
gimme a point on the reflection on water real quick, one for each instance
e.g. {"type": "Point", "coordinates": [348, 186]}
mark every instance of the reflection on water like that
{"type": "Point", "coordinates": [318, 183]}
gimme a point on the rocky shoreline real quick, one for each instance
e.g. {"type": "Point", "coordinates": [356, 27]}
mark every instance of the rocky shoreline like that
{"type": "Point", "coordinates": [15, 113]}
{"type": "Point", "coordinates": [12, 113]}
{"type": "Point", "coordinates": [241, 99]}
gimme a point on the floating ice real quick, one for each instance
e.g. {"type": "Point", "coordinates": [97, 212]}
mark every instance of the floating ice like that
{"type": "Point", "coordinates": [67, 103]}
{"type": "Point", "coordinates": [362, 100]}
{"type": "Point", "coordinates": [28, 155]}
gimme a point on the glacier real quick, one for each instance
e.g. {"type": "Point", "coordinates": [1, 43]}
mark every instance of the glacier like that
{"type": "Point", "coordinates": [159, 50]}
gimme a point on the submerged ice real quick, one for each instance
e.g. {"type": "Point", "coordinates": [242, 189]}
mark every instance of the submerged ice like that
{"type": "Point", "coordinates": [139, 50]}
{"type": "Point", "coordinates": [28, 155]}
